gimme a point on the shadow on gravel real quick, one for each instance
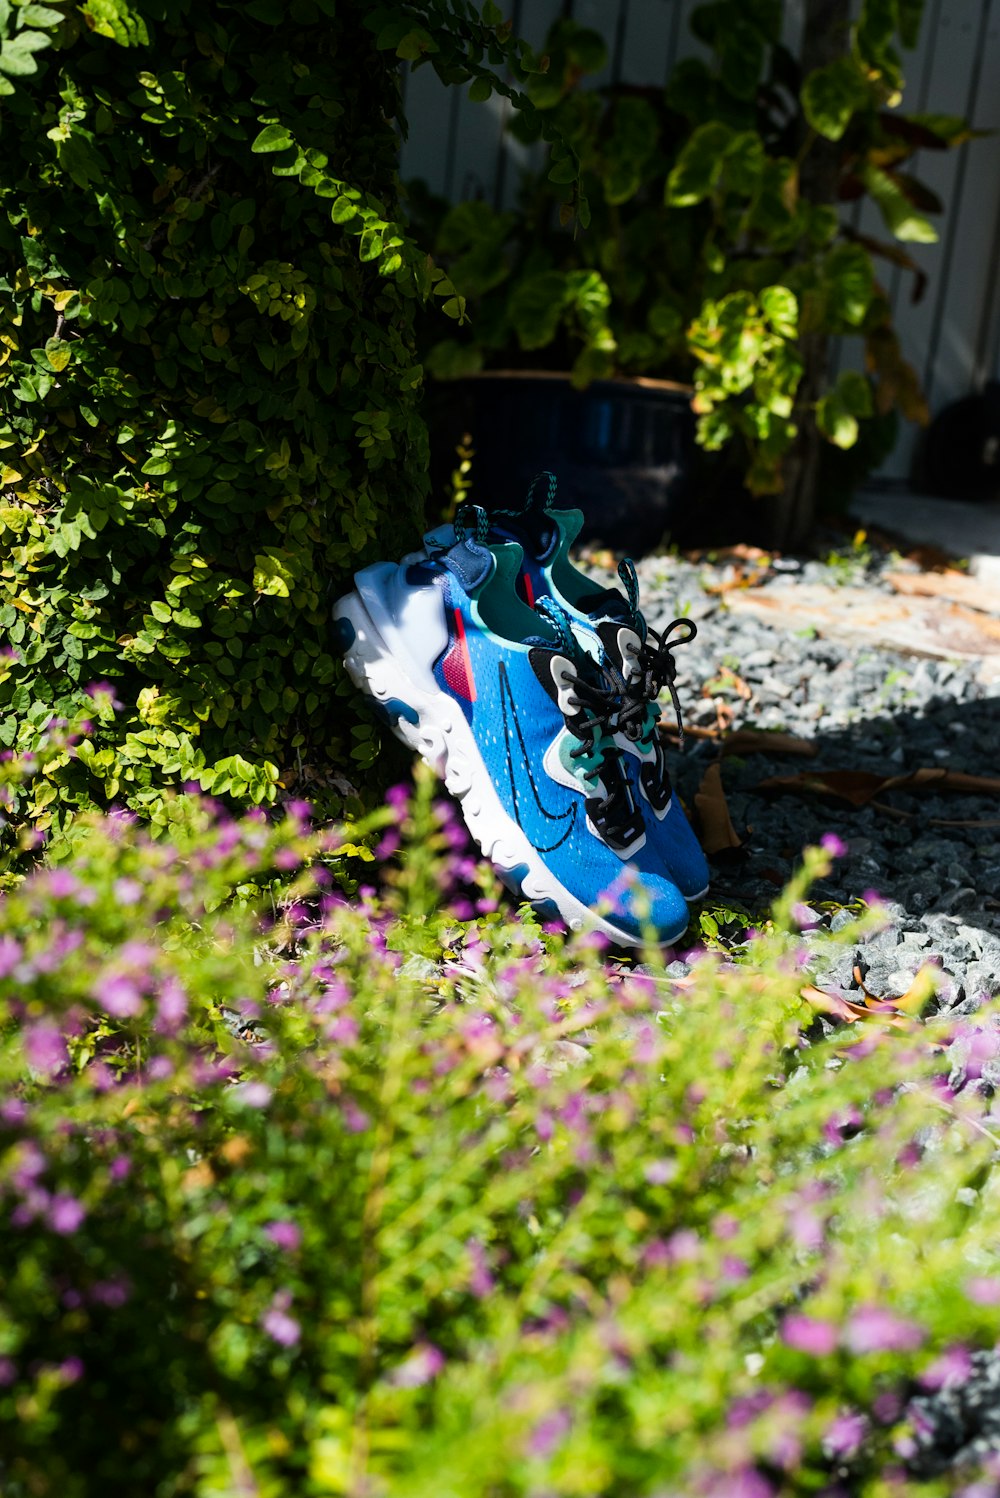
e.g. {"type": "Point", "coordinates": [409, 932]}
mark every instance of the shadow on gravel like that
{"type": "Point", "coordinates": [932, 853]}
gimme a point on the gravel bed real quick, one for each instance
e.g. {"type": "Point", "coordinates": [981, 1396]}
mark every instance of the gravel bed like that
{"type": "Point", "coordinates": [885, 713]}
{"type": "Point", "coordinates": [870, 710]}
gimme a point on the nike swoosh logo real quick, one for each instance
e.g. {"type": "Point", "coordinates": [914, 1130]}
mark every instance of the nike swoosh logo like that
{"type": "Point", "coordinates": [523, 787]}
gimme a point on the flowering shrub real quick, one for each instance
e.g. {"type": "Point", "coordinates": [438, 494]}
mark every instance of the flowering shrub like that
{"type": "Point", "coordinates": [385, 1196]}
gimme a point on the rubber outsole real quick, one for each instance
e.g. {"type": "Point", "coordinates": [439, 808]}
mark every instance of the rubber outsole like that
{"type": "Point", "coordinates": [436, 729]}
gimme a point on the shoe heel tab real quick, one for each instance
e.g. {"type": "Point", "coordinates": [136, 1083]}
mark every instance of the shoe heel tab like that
{"type": "Point", "coordinates": [470, 562]}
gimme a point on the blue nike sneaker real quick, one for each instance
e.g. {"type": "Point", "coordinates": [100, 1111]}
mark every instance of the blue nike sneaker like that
{"type": "Point", "coordinates": [506, 706]}
{"type": "Point", "coordinates": [611, 626]}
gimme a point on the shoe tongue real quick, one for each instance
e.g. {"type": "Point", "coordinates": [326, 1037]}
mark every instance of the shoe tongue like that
{"type": "Point", "coordinates": [470, 562]}
{"type": "Point", "coordinates": [534, 530]}
{"type": "Point", "coordinates": [609, 604]}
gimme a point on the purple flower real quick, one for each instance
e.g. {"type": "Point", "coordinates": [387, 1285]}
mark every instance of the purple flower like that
{"type": "Point", "coordinates": [70, 1370]}
{"type": "Point", "coordinates": [805, 1228]}
{"type": "Point", "coordinates": [480, 1279]}
{"type": "Point", "coordinates": [8, 1372]}
{"type": "Point", "coordinates": [252, 1094]}
{"type": "Point", "coordinates": [806, 1334]}
{"type": "Point", "coordinates": [65, 1214]}
{"type": "Point", "coordinates": [683, 1246]}
{"type": "Point", "coordinates": [119, 996]}
{"type": "Point", "coordinates": [356, 1120]}
{"type": "Point", "coordinates": [874, 1329]}
{"type": "Point", "coordinates": [112, 1293]}
{"type": "Point", "coordinates": [983, 1290]}
{"type": "Point", "coordinates": [725, 1226]}
{"type": "Point", "coordinates": [62, 885]}
{"type": "Point", "coordinates": [660, 1172]}
{"type": "Point", "coordinates": [171, 1007]}
{"type": "Point", "coordinates": [284, 1234]}
{"type": "Point", "coordinates": [120, 1168]}
{"type": "Point", "coordinates": [104, 690]}
{"type": "Point", "coordinates": [281, 1327]}
{"type": "Point", "coordinates": [548, 1432]}
{"type": "Point", "coordinates": [127, 891]}
{"type": "Point", "coordinates": [832, 844]}
{"type": "Point", "coordinates": [745, 1482]}
{"type": "Point", "coordinates": [424, 1363]}
{"type": "Point", "coordinates": [10, 955]}
{"type": "Point", "coordinates": [953, 1366]}
{"type": "Point", "coordinates": [45, 1048]}
{"type": "Point", "coordinates": [845, 1435]}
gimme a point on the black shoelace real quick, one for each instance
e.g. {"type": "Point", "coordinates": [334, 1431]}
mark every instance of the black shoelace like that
{"type": "Point", "coordinates": [657, 669]}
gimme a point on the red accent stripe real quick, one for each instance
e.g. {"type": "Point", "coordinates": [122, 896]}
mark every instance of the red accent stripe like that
{"type": "Point", "coordinates": [463, 646]}
{"type": "Point", "coordinates": [529, 590]}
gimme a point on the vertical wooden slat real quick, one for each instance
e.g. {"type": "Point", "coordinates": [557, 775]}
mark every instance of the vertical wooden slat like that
{"type": "Point", "coordinates": [954, 39]}
{"type": "Point", "coordinates": [649, 36]}
{"type": "Point", "coordinates": [428, 110]}
{"type": "Point", "coordinates": [965, 272]}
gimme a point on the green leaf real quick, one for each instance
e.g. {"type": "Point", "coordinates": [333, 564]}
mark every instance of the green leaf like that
{"type": "Point", "coordinates": [415, 44]}
{"type": "Point", "coordinates": [17, 53]}
{"type": "Point", "coordinates": [910, 15]}
{"type": "Point", "coordinates": [480, 90]}
{"type": "Point", "coordinates": [272, 138]}
{"type": "Point", "coordinates": [343, 210]}
{"type": "Point", "coordinates": [741, 55]}
{"type": "Point", "coordinates": [699, 166]}
{"type": "Point", "coordinates": [535, 308]}
{"type": "Point", "coordinates": [58, 353]}
{"type": "Point", "coordinates": [854, 393]}
{"type": "Point", "coordinates": [901, 218]}
{"type": "Point", "coordinates": [835, 422]}
{"type": "Point", "coordinates": [40, 15]}
{"type": "Point", "coordinates": [781, 309]}
{"type": "Point", "coordinates": [848, 281]}
{"type": "Point", "coordinates": [564, 171]}
{"type": "Point", "coordinates": [831, 94]}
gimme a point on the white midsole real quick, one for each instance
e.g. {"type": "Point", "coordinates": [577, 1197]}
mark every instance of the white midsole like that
{"type": "Point", "coordinates": [444, 740]}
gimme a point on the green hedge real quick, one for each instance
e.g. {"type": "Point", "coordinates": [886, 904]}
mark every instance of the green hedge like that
{"type": "Point", "coordinates": [208, 395]}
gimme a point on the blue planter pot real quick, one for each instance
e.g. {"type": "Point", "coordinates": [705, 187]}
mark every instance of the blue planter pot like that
{"type": "Point", "coordinates": [622, 450]}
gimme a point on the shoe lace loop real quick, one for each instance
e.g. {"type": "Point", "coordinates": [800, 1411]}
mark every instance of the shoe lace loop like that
{"type": "Point", "coordinates": [472, 520]}
{"type": "Point", "coordinates": [597, 691]}
{"type": "Point", "coordinates": [657, 669]}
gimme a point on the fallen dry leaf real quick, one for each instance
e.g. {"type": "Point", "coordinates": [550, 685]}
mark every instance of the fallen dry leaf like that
{"type": "Point", "coordinates": [727, 681]}
{"type": "Point", "coordinates": [717, 830]}
{"type": "Point", "coordinates": [761, 740]}
{"type": "Point", "coordinates": [956, 587]}
{"type": "Point", "coordinates": [860, 787]}
{"type": "Point", "coordinates": [746, 740]}
{"type": "Point", "coordinates": [846, 1009]}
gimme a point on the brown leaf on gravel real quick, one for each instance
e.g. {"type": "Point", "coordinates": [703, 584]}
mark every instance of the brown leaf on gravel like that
{"type": "Point", "coordinates": [912, 1001]}
{"type": "Point", "coordinates": [956, 587]}
{"type": "Point", "coordinates": [717, 830]}
{"type": "Point", "coordinates": [747, 740]}
{"type": "Point", "coordinates": [845, 1009]}
{"type": "Point", "coordinates": [859, 787]}
{"type": "Point", "coordinates": [761, 740]}
{"type": "Point", "coordinates": [727, 681]}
